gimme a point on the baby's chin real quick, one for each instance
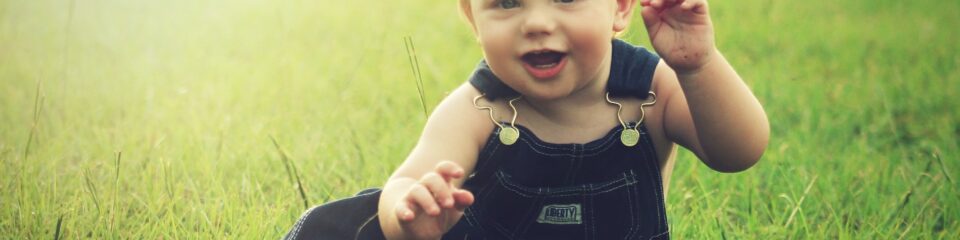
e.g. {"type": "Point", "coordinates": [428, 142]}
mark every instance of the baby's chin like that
{"type": "Point", "coordinates": [539, 89]}
{"type": "Point", "coordinates": [544, 93]}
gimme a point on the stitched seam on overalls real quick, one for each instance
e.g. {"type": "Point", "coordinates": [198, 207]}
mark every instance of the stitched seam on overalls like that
{"type": "Point", "coordinates": [368, 221]}
{"type": "Point", "coordinates": [548, 154]}
{"type": "Point", "coordinates": [602, 145]}
{"type": "Point", "coordinates": [486, 162]}
{"type": "Point", "coordinates": [571, 167]}
{"type": "Point", "coordinates": [605, 144]}
{"type": "Point", "coordinates": [484, 192]}
{"type": "Point", "coordinates": [472, 219]}
{"type": "Point", "coordinates": [299, 224]}
{"type": "Point", "coordinates": [508, 186]}
{"type": "Point", "coordinates": [526, 133]}
{"type": "Point", "coordinates": [607, 187]}
{"type": "Point", "coordinates": [600, 151]}
{"type": "Point", "coordinates": [545, 153]}
{"type": "Point", "coordinates": [593, 217]}
{"type": "Point", "coordinates": [490, 141]}
{"type": "Point", "coordinates": [537, 142]}
{"type": "Point", "coordinates": [659, 234]}
{"type": "Point", "coordinates": [634, 210]}
{"type": "Point", "coordinates": [657, 180]}
{"type": "Point", "coordinates": [504, 177]}
{"type": "Point", "coordinates": [538, 147]}
{"type": "Point", "coordinates": [574, 166]}
{"type": "Point", "coordinates": [584, 197]}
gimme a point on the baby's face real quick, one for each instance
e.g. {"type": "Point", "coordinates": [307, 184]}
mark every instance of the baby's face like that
{"type": "Point", "coordinates": [546, 49]}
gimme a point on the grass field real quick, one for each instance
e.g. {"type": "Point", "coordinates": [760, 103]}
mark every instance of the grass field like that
{"type": "Point", "coordinates": [156, 119]}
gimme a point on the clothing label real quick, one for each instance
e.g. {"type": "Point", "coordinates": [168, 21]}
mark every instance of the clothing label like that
{"type": "Point", "coordinates": [560, 214]}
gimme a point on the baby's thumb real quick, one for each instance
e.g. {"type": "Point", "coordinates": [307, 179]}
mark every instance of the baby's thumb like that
{"type": "Point", "coordinates": [462, 199]}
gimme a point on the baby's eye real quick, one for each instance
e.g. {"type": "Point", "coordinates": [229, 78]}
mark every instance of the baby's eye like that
{"type": "Point", "coordinates": [507, 4]}
{"type": "Point", "coordinates": [564, 1]}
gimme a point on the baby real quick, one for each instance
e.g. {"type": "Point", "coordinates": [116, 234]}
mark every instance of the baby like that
{"type": "Point", "coordinates": [557, 54]}
{"type": "Point", "coordinates": [565, 132]}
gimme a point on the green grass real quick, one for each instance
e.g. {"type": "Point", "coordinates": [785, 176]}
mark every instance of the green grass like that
{"type": "Point", "coordinates": [154, 119]}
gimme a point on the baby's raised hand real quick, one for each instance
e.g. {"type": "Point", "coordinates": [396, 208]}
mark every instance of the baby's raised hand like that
{"type": "Point", "coordinates": [680, 31]}
{"type": "Point", "coordinates": [433, 204]}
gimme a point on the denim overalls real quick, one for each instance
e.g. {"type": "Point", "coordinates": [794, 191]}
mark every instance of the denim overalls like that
{"type": "Point", "coordinates": [538, 190]}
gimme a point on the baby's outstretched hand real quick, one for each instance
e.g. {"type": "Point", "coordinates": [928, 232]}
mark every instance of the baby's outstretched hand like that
{"type": "Point", "coordinates": [433, 204]}
{"type": "Point", "coordinates": [680, 31]}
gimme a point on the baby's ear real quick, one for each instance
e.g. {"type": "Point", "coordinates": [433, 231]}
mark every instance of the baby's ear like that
{"type": "Point", "coordinates": [467, 12]}
{"type": "Point", "coordinates": [622, 15]}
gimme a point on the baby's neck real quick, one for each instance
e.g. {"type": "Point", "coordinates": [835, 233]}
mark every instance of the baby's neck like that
{"type": "Point", "coordinates": [577, 109]}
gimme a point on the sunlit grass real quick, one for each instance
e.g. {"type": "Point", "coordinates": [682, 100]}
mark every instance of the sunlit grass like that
{"type": "Point", "coordinates": [181, 119]}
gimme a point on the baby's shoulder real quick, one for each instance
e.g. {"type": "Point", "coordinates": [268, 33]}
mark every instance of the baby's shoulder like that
{"type": "Point", "coordinates": [462, 114]}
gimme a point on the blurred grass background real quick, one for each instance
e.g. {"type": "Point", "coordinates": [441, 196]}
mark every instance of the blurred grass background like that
{"type": "Point", "coordinates": [862, 98]}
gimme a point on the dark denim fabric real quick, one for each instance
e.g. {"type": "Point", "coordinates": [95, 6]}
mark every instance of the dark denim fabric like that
{"type": "Point", "coordinates": [538, 190]}
{"type": "Point", "coordinates": [349, 218]}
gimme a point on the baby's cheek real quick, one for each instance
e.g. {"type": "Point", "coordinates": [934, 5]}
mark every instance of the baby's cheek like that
{"type": "Point", "coordinates": [592, 36]}
{"type": "Point", "coordinates": [591, 50]}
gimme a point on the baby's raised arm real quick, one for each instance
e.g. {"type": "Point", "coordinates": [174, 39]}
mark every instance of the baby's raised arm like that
{"type": "Point", "coordinates": [423, 199]}
{"type": "Point", "coordinates": [709, 109]}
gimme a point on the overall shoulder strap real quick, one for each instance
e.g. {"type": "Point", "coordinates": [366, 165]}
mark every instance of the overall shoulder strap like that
{"type": "Point", "coordinates": [492, 87]}
{"type": "Point", "coordinates": [631, 70]}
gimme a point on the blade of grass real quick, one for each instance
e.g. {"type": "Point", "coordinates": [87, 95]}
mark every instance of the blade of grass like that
{"type": "Point", "coordinates": [906, 196]}
{"type": "Point", "coordinates": [943, 167]}
{"type": "Point", "coordinates": [117, 167]}
{"type": "Point", "coordinates": [56, 231]}
{"type": "Point", "coordinates": [22, 174]}
{"type": "Point", "coordinates": [37, 102]}
{"type": "Point", "coordinates": [283, 158]}
{"type": "Point", "coordinates": [167, 179]}
{"type": "Point", "coordinates": [116, 194]}
{"type": "Point", "coordinates": [415, 67]}
{"type": "Point", "coordinates": [922, 210]}
{"type": "Point", "coordinates": [723, 235]}
{"type": "Point", "coordinates": [800, 202]}
{"type": "Point", "coordinates": [91, 189]}
{"type": "Point", "coordinates": [292, 171]}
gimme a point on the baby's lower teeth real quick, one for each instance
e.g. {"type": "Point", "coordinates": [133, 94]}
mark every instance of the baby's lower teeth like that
{"type": "Point", "coordinates": [545, 65]}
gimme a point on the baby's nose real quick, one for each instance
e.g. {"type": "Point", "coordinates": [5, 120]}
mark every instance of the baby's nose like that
{"type": "Point", "coordinates": [538, 23]}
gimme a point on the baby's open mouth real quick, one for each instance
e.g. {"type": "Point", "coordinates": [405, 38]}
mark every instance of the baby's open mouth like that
{"type": "Point", "coordinates": [544, 64]}
{"type": "Point", "coordinates": [543, 59]}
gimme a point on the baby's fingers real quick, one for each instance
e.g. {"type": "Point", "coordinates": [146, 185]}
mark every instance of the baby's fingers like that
{"type": "Point", "coordinates": [463, 199]}
{"type": "Point", "coordinates": [697, 6]}
{"type": "Point", "coordinates": [439, 188]}
{"type": "Point", "coordinates": [449, 170]}
{"type": "Point", "coordinates": [659, 4]}
{"type": "Point", "coordinates": [405, 210]}
{"type": "Point", "coordinates": [418, 198]}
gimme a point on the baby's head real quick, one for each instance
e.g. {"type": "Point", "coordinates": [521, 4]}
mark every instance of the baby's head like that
{"type": "Point", "coordinates": [546, 49]}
